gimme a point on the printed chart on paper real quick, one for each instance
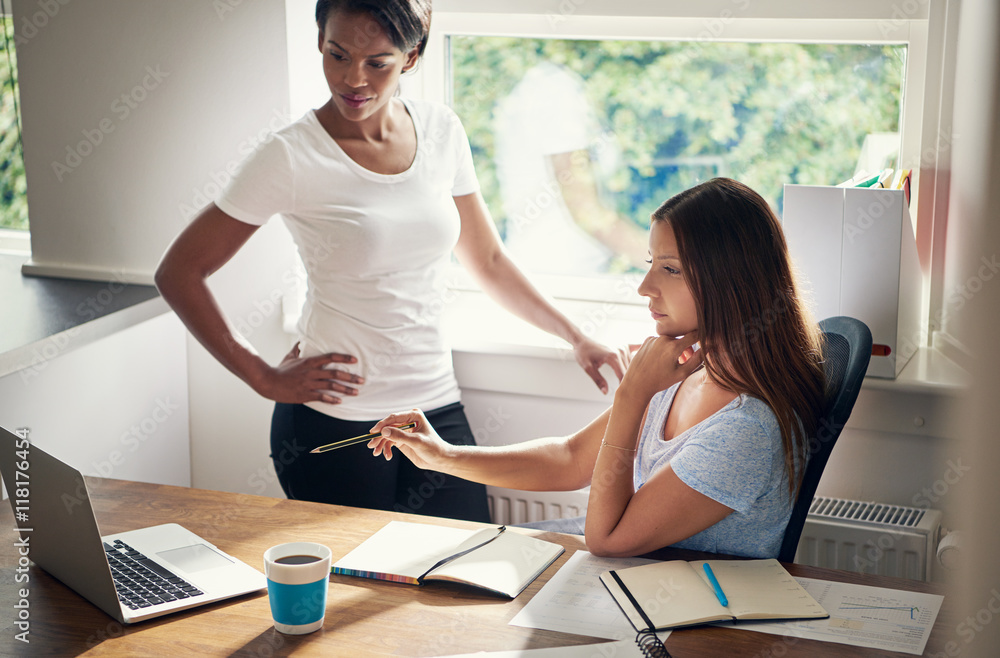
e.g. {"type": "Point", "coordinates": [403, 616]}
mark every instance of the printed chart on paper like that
{"type": "Point", "coordinates": [855, 611]}
{"type": "Point", "coordinates": [864, 616]}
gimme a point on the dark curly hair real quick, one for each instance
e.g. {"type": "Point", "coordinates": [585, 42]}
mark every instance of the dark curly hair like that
{"type": "Point", "coordinates": [406, 22]}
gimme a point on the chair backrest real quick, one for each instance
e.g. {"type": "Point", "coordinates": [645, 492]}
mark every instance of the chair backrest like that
{"type": "Point", "coordinates": [847, 350]}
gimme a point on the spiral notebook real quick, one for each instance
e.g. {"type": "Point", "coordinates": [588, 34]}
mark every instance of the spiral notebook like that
{"type": "Point", "coordinates": [677, 593]}
{"type": "Point", "coordinates": [647, 646]}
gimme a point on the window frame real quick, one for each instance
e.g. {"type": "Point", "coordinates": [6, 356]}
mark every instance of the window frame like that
{"type": "Point", "coordinates": [878, 21]}
{"type": "Point", "coordinates": [13, 241]}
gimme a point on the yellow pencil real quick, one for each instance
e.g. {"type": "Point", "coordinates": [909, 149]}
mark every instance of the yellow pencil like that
{"type": "Point", "coordinates": [356, 439]}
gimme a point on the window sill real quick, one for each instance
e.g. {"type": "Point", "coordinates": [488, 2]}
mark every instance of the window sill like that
{"type": "Point", "coordinates": [14, 243]}
{"type": "Point", "coordinates": [488, 342]}
{"type": "Point", "coordinates": [46, 317]}
{"type": "Point", "coordinates": [929, 371]}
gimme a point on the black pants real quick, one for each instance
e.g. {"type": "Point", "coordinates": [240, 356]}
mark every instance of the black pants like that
{"type": "Point", "coordinates": [352, 476]}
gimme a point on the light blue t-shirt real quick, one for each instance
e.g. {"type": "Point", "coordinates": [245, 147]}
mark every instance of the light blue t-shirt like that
{"type": "Point", "coordinates": [734, 457]}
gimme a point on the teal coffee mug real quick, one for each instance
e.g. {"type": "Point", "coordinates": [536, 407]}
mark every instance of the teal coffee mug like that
{"type": "Point", "coordinates": [298, 576]}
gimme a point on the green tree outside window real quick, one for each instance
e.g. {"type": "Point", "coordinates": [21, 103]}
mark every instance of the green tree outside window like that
{"type": "Point", "coordinates": [13, 185]}
{"type": "Point", "coordinates": [679, 113]}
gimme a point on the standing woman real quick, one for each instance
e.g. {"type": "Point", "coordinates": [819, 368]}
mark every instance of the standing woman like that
{"type": "Point", "coordinates": [377, 191]}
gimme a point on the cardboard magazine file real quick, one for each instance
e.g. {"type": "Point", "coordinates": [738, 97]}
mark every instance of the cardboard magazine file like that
{"type": "Point", "coordinates": [856, 249]}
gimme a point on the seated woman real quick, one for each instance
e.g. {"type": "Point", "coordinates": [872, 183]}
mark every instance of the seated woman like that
{"type": "Point", "coordinates": [704, 445]}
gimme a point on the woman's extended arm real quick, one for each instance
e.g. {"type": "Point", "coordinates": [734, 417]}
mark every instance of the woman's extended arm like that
{"type": "Point", "coordinates": [547, 464]}
{"type": "Point", "coordinates": [207, 244]}
{"type": "Point", "coordinates": [480, 251]}
{"type": "Point", "coordinates": [620, 520]}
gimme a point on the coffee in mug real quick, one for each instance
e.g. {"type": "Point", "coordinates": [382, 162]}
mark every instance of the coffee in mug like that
{"type": "Point", "coordinates": [298, 576]}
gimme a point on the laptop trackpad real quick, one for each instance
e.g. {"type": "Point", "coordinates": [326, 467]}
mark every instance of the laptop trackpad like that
{"type": "Point", "coordinates": [193, 558]}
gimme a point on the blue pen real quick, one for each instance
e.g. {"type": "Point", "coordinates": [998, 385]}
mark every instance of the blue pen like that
{"type": "Point", "coordinates": [719, 594]}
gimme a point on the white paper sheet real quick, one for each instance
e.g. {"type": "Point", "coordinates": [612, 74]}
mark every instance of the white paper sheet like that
{"type": "Point", "coordinates": [575, 601]}
{"type": "Point", "coordinates": [619, 649]}
{"type": "Point", "coordinates": [863, 616]}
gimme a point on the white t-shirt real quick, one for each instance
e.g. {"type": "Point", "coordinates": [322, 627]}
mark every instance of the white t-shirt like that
{"type": "Point", "coordinates": [546, 113]}
{"type": "Point", "coordinates": [375, 248]}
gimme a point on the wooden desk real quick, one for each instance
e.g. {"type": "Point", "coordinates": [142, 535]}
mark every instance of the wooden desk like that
{"type": "Point", "coordinates": [364, 617]}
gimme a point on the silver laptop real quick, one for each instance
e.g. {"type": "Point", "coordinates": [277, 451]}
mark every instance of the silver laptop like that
{"type": "Point", "coordinates": [158, 570]}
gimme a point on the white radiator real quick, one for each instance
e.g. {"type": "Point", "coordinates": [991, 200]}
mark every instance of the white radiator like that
{"type": "Point", "coordinates": [511, 506]}
{"type": "Point", "coordinates": [866, 537]}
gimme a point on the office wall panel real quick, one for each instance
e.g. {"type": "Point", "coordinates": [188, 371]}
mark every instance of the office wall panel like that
{"type": "Point", "coordinates": [135, 112]}
{"type": "Point", "coordinates": [117, 407]}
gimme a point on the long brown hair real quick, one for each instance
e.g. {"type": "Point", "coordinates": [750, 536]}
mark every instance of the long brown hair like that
{"type": "Point", "coordinates": [757, 335]}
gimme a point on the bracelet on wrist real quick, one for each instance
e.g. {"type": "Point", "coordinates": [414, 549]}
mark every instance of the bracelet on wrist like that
{"type": "Point", "coordinates": [605, 444]}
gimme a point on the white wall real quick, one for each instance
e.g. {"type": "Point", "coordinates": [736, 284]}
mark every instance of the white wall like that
{"type": "Point", "coordinates": [117, 407]}
{"type": "Point", "coordinates": [230, 423]}
{"type": "Point", "coordinates": [975, 211]}
{"type": "Point", "coordinates": [307, 84]}
{"type": "Point", "coordinates": [968, 257]}
{"type": "Point", "coordinates": [221, 82]}
{"type": "Point", "coordinates": [133, 113]}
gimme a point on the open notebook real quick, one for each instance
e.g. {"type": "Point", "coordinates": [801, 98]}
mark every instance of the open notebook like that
{"type": "Point", "coordinates": [671, 594]}
{"type": "Point", "coordinates": [494, 559]}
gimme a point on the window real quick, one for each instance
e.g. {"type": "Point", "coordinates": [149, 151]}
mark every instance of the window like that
{"type": "Point", "coordinates": [576, 142]}
{"type": "Point", "coordinates": [672, 93]}
{"type": "Point", "coordinates": [13, 186]}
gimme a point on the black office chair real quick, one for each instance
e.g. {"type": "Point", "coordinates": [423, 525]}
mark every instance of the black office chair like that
{"type": "Point", "coordinates": [847, 352]}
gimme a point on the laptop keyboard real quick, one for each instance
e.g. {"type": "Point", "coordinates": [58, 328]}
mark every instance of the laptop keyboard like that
{"type": "Point", "coordinates": [141, 582]}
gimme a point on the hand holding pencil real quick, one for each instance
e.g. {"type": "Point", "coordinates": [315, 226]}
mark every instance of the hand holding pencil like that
{"type": "Point", "coordinates": [421, 444]}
